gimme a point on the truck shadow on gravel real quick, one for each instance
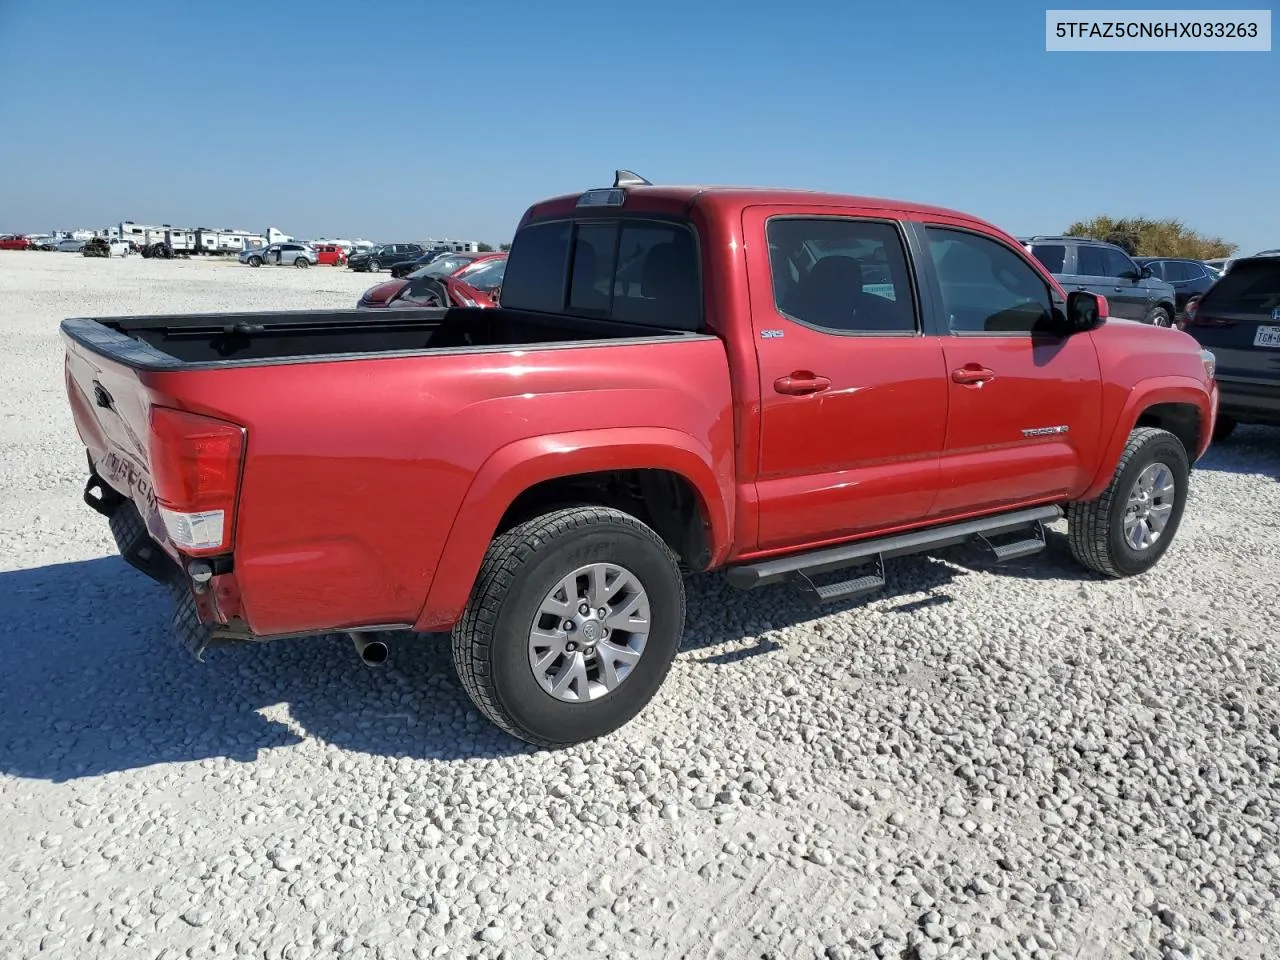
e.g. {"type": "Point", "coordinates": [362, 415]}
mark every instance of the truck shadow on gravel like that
{"type": "Point", "coordinates": [94, 683]}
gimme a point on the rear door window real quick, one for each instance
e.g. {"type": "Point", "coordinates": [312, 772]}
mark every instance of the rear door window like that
{"type": "Point", "coordinates": [631, 270]}
{"type": "Point", "coordinates": [1090, 261]}
{"type": "Point", "coordinates": [1052, 255]}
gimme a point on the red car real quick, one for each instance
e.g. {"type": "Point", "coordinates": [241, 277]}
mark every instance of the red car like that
{"type": "Point", "coordinates": [330, 254]}
{"type": "Point", "coordinates": [783, 385]}
{"type": "Point", "coordinates": [484, 273]}
{"type": "Point", "coordinates": [15, 241]}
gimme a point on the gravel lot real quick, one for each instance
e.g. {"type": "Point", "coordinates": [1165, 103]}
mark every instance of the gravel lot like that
{"type": "Point", "coordinates": [986, 762]}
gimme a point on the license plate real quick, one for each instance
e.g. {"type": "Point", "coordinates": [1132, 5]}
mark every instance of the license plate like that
{"type": "Point", "coordinates": [1267, 337]}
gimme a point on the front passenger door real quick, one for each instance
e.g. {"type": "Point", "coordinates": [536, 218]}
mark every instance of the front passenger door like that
{"type": "Point", "coordinates": [1024, 400]}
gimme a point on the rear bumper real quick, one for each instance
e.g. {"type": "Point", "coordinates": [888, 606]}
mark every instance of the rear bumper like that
{"type": "Point", "coordinates": [1248, 401]}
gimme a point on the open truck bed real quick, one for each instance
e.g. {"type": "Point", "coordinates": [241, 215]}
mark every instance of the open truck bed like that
{"type": "Point", "coordinates": [301, 472]}
{"type": "Point", "coordinates": [192, 341]}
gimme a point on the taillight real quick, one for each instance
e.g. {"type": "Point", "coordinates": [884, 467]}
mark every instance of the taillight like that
{"type": "Point", "coordinates": [195, 474]}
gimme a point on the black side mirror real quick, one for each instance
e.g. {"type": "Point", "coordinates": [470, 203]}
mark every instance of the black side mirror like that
{"type": "Point", "coordinates": [1134, 274]}
{"type": "Point", "coordinates": [1085, 311]}
{"type": "Point", "coordinates": [1146, 272]}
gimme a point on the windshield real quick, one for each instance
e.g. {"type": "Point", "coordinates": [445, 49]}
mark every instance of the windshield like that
{"type": "Point", "coordinates": [485, 275]}
{"type": "Point", "coordinates": [441, 267]}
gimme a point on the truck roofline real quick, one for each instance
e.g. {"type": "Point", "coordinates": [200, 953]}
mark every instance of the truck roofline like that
{"type": "Point", "coordinates": [727, 196]}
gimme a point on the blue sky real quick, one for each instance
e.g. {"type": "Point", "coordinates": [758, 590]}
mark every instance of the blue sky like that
{"type": "Point", "coordinates": [403, 120]}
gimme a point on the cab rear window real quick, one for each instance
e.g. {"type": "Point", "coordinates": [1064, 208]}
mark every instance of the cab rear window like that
{"type": "Point", "coordinates": [1249, 287]}
{"type": "Point", "coordinates": [630, 270]}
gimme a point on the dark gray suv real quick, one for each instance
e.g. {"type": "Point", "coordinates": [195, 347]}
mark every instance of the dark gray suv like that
{"type": "Point", "coordinates": [1079, 263]}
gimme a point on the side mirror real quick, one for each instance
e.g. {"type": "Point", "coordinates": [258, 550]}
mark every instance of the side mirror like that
{"type": "Point", "coordinates": [1134, 274]}
{"type": "Point", "coordinates": [1146, 272]}
{"type": "Point", "coordinates": [1085, 311]}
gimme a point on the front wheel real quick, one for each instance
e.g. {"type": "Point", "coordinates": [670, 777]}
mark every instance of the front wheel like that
{"type": "Point", "coordinates": [1127, 530]}
{"type": "Point", "coordinates": [571, 628]}
{"type": "Point", "coordinates": [255, 261]}
{"type": "Point", "coordinates": [374, 266]}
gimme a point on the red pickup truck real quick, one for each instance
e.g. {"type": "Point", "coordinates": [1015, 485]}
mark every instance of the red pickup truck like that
{"type": "Point", "coordinates": [785, 385]}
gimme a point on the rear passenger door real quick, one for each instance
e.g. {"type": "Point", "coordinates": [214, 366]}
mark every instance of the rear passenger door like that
{"type": "Point", "coordinates": [853, 389]}
{"type": "Point", "coordinates": [1024, 403]}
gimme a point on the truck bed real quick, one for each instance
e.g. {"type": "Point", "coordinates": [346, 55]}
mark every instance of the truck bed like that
{"type": "Point", "coordinates": [193, 341]}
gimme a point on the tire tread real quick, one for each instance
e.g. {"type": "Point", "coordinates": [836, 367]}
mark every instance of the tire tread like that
{"type": "Point", "coordinates": [1089, 521]}
{"type": "Point", "coordinates": [472, 638]}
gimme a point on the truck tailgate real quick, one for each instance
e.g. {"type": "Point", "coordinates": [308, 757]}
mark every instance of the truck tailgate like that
{"type": "Point", "coordinates": [110, 407]}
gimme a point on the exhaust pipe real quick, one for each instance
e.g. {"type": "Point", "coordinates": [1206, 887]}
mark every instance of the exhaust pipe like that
{"type": "Point", "coordinates": [371, 651]}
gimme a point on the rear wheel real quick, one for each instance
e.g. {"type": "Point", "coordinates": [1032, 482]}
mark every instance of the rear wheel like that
{"type": "Point", "coordinates": [1223, 428]}
{"type": "Point", "coordinates": [1127, 530]}
{"type": "Point", "coordinates": [572, 626]}
{"type": "Point", "coordinates": [1160, 317]}
{"type": "Point", "coordinates": [302, 263]}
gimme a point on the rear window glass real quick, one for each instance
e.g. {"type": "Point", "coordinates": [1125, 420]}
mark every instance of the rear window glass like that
{"type": "Point", "coordinates": [633, 271]}
{"type": "Point", "coordinates": [1052, 255]}
{"type": "Point", "coordinates": [1246, 288]}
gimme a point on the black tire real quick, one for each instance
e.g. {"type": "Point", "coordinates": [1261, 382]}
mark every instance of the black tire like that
{"type": "Point", "coordinates": [255, 261]}
{"type": "Point", "coordinates": [1095, 529]}
{"type": "Point", "coordinates": [1160, 317]}
{"type": "Point", "coordinates": [1223, 428]}
{"type": "Point", "coordinates": [523, 565]}
{"type": "Point", "coordinates": [374, 266]}
{"type": "Point", "coordinates": [301, 263]}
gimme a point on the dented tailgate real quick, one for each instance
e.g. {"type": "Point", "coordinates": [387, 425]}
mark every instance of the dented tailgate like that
{"type": "Point", "coordinates": [110, 406]}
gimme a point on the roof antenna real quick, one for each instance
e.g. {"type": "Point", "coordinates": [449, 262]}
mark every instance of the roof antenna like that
{"type": "Point", "coordinates": [625, 178]}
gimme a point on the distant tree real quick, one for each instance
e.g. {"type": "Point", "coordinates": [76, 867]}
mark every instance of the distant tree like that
{"type": "Point", "coordinates": [504, 247]}
{"type": "Point", "coordinates": [484, 247]}
{"type": "Point", "coordinates": [1144, 237]}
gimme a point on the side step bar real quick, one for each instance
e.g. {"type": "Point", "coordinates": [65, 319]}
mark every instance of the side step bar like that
{"type": "Point", "coordinates": [1008, 535]}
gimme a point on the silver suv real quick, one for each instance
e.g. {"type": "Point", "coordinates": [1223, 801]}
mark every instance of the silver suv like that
{"type": "Point", "coordinates": [1079, 263]}
{"type": "Point", "coordinates": [281, 255]}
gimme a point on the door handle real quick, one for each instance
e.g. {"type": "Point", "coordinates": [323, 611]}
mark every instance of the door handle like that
{"type": "Point", "coordinates": [1082, 286]}
{"type": "Point", "coordinates": [1118, 289]}
{"type": "Point", "coordinates": [800, 383]}
{"type": "Point", "coordinates": [972, 374]}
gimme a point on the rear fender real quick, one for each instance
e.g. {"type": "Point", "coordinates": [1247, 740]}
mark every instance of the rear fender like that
{"type": "Point", "coordinates": [1145, 394]}
{"type": "Point", "coordinates": [516, 467]}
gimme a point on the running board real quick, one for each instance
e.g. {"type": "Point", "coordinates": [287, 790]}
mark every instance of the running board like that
{"type": "Point", "coordinates": [869, 582]}
{"type": "Point", "coordinates": [877, 550]}
{"type": "Point", "coordinates": [1029, 542]}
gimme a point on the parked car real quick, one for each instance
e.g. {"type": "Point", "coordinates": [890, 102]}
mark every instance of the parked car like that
{"type": "Point", "coordinates": [1238, 319]}
{"type": "Point", "coordinates": [69, 245]}
{"type": "Point", "coordinates": [106, 247]}
{"type": "Point", "coordinates": [725, 395]}
{"type": "Point", "coordinates": [450, 261]}
{"type": "Point", "coordinates": [280, 254]}
{"type": "Point", "coordinates": [330, 254]}
{"type": "Point", "coordinates": [465, 267]}
{"type": "Point", "coordinates": [1189, 278]}
{"type": "Point", "coordinates": [15, 241]}
{"type": "Point", "coordinates": [429, 292]}
{"type": "Point", "coordinates": [1132, 292]}
{"type": "Point", "coordinates": [385, 255]}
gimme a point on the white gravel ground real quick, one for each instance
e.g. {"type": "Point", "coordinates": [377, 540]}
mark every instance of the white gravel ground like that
{"type": "Point", "coordinates": [1013, 762]}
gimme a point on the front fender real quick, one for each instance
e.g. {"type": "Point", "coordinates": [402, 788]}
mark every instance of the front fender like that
{"type": "Point", "coordinates": [1144, 394]}
{"type": "Point", "coordinates": [516, 467]}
